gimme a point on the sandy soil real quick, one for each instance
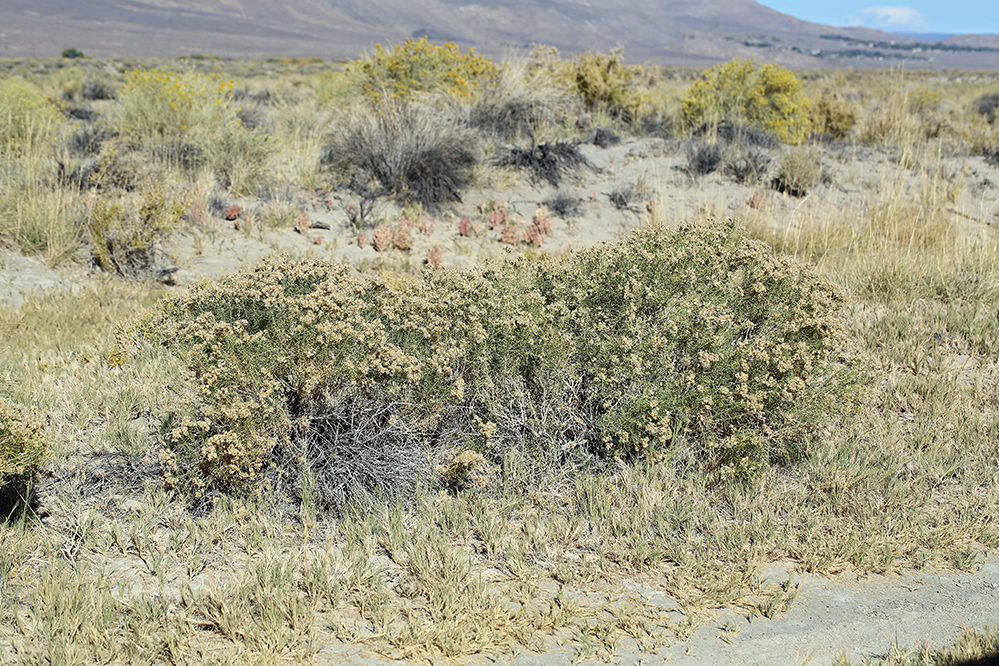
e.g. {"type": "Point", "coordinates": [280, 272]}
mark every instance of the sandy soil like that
{"type": "Point", "coordinates": [832, 617]}
{"type": "Point", "coordinates": [861, 616]}
{"type": "Point", "coordinates": [854, 178]}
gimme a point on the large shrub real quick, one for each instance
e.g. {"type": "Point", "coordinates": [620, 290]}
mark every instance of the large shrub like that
{"type": "Point", "coordinates": [766, 96]}
{"type": "Point", "coordinates": [417, 66]}
{"type": "Point", "coordinates": [694, 340]}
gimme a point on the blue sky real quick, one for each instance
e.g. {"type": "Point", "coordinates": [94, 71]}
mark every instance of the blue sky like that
{"type": "Point", "coordinates": [953, 16]}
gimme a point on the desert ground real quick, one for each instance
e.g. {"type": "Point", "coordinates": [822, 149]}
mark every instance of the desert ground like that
{"type": "Point", "coordinates": [875, 544]}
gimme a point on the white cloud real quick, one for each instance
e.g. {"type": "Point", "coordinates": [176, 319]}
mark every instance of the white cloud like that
{"type": "Point", "coordinates": [889, 18]}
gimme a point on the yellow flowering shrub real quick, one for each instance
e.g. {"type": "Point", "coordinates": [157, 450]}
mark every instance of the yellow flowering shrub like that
{"type": "Point", "coordinates": [603, 80]}
{"type": "Point", "coordinates": [767, 96]}
{"type": "Point", "coordinates": [190, 119]}
{"type": "Point", "coordinates": [159, 106]}
{"type": "Point", "coordinates": [27, 117]}
{"type": "Point", "coordinates": [694, 339]}
{"type": "Point", "coordinates": [417, 66]}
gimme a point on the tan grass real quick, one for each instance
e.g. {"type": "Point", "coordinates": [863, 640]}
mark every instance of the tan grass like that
{"type": "Point", "coordinates": [974, 646]}
{"type": "Point", "coordinates": [908, 480]}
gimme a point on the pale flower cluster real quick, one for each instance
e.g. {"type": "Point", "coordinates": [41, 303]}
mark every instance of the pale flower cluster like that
{"type": "Point", "coordinates": [617, 350]}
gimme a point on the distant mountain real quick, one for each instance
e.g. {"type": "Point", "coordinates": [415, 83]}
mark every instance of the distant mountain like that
{"type": "Point", "coordinates": [925, 36]}
{"type": "Point", "coordinates": [678, 32]}
{"type": "Point", "coordinates": [974, 41]}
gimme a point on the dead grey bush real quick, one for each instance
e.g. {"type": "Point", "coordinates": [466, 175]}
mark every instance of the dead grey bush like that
{"type": "Point", "coordinates": [355, 450]}
{"type": "Point", "coordinates": [988, 106]}
{"type": "Point", "coordinates": [89, 139]}
{"type": "Point", "coordinates": [409, 151]}
{"type": "Point", "coordinates": [622, 196]}
{"type": "Point", "coordinates": [743, 153]}
{"type": "Point", "coordinates": [545, 162]}
{"type": "Point", "coordinates": [745, 136]}
{"type": "Point", "coordinates": [749, 166]}
{"type": "Point", "coordinates": [703, 157]}
{"type": "Point", "coordinates": [564, 205]}
{"type": "Point", "coordinates": [603, 138]}
{"type": "Point", "coordinates": [351, 450]}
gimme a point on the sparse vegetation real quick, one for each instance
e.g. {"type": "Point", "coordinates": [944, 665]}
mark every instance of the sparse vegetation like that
{"type": "Point", "coordinates": [599, 435]}
{"type": "Point", "coordinates": [974, 648]}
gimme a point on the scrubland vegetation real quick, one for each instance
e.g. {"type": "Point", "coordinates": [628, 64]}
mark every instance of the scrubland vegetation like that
{"type": "Point", "coordinates": [443, 462]}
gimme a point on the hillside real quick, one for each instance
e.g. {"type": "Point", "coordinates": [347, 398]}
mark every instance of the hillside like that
{"type": "Point", "coordinates": [679, 32]}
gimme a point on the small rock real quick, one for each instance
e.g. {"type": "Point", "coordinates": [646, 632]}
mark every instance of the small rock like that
{"type": "Point", "coordinates": [132, 506]}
